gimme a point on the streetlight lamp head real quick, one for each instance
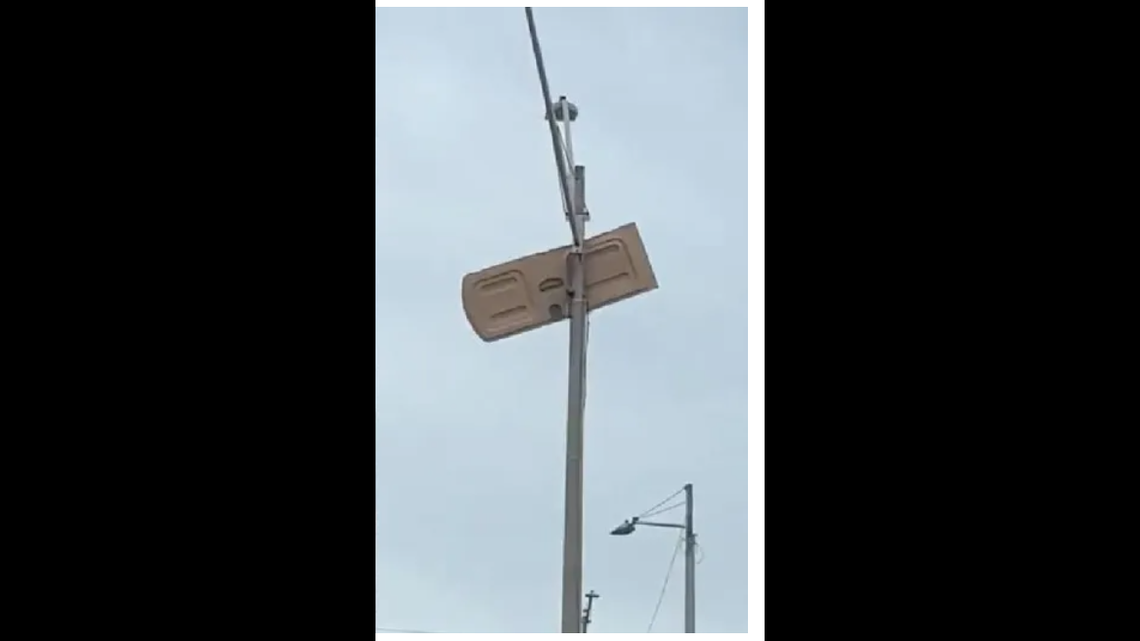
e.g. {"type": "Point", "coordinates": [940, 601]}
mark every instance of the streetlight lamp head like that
{"type": "Point", "coordinates": [625, 528]}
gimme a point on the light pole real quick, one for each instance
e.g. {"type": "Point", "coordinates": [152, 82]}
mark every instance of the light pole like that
{"type": "Point", "coordinates": [567, 282]}
{"type": "Point", "coordinates": [586, 620]}
{"type": "Point", "coordinates": [690, 548]}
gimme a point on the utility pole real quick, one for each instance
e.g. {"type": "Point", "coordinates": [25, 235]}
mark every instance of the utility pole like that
{"type": "Point", "coordinates": [690, 563]}
{"type": "Point", "coordinates": [630, 526]}
{"type": "Point", "coordinates": [590, 596]}
{"type": "Point", "coordinates": [571, 181]}
{"type": "Point", "coordinates": [537, 290]}
{"type": "Point", "coordinates": [576, 401]}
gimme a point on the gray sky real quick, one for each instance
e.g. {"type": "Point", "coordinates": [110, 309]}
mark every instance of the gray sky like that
{"type": "Point", "coordinates": [470, 436]}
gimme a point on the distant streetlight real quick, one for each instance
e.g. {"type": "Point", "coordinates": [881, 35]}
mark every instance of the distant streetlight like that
{"type": "Point", "coordinates": [627, 528]}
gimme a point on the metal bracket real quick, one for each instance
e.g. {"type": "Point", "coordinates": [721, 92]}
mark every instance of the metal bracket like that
{"type": "Point", "coordinates": [573, 261]}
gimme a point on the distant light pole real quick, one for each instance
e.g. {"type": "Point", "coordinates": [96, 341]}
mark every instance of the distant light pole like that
{"type": "Point", "coordinates": [690, 547]}
{"type": "Point", "coordinates": [586, 620]}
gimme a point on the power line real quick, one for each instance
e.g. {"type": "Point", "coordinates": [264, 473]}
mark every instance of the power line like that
{"type": "Point", "coordinates": [669, 573]}
{"type": "Point", "coordinates": [662, 502]}
{"type": "Point", "coordinates": [662, 510]}
{"type": "Point", "coordinates": [400, 630]}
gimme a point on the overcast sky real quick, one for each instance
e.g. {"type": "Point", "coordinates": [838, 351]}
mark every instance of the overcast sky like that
{"type": "Point", "coordinates": [470, 436]}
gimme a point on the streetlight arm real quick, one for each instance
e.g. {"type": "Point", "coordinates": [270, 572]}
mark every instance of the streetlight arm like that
{"type": "Point", "coordinates": [676, 525]}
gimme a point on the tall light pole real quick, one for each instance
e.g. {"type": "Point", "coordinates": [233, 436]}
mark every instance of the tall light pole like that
{"type": "Point", "coordinates": [540, 289]}
{"type": "Point", "coordinates": [575, 402]}
{"type": "Point", "coordinates": [570, 179]}
{"type": "Point", "coordinates": [690, 549]}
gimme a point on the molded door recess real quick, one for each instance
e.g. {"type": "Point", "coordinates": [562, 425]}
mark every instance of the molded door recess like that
{"type": "Point", "coordinates": [530, 292]}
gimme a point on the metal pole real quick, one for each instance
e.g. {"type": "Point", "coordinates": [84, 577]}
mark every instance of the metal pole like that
{"type": "Point", "coordinates": [576, 393]}
{"type": "Point", "coordinates": [575, 409]}
{"type": "Point", "coordinates": [690, 564]}
{"type": "Point", "coordinates": [555, 139]}
{"type": "Point", "coordinates": [572, 538]}
{"type": "Point", "coordinates": [590, 596]}
{"type": "Point", "coordinates": [568, 145]}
